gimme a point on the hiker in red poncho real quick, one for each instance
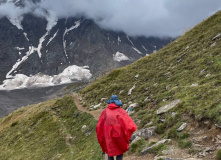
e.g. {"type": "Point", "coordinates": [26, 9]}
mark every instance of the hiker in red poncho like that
{"type": "Point", "coordinates": [114, 129]}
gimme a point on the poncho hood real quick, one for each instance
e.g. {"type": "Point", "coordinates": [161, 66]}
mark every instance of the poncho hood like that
{"type": "Point", "coordinates": [112, 106]}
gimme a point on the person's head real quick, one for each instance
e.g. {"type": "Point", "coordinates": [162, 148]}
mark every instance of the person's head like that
{"type": "Point", "coordinates": [114, 99]}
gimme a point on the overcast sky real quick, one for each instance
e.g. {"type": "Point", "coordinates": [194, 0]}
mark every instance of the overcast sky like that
{"type": "Point", "coordinates": [135, 17]}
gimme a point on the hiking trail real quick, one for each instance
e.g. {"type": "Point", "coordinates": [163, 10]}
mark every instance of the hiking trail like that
{"type": "Point", "coordinates": [96, 114]}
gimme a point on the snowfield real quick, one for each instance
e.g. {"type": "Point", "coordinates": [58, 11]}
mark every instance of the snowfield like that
{"type": "Point", "coordinates": [71, 73]}
{"type": "Point", "coordinates": [120, 57]}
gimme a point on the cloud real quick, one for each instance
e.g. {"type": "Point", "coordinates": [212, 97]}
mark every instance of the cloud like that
{"type": "Point", "coordinates": [143, 17]}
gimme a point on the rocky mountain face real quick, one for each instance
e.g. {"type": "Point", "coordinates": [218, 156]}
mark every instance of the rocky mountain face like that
{"type": "Point", "coordinates": [32, 45]}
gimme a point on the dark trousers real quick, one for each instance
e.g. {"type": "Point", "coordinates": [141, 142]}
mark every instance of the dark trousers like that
{"type": "Point", "coordinates": [119, 157]}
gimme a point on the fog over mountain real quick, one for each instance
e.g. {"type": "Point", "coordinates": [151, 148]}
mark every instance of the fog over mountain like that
{"type": "Point", "coordinates": [143, 17]}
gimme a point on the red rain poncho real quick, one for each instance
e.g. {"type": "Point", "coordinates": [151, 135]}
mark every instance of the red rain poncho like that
{"type": "Point", "coordinates": [114, 130]}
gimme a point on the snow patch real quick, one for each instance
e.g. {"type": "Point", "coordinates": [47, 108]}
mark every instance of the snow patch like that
{"type": "Point", "coordinates": [70, 74]}
{"type": "Point", "coordinates": [52, 37]}
{"type": "Point", "coordinates": [144, 48]}
{"type": "Point", "coordinates": [120, 57]}
{"type": "Point", "coordinates": [137, 50]}
{"type": "Point", "coordinates": [118, 40]}
{"type": "Point", "coordinates": [52, 21]}
{"type": "Point", "coordinates": [26, 36]}
{"type": "Point", "coordinates": [130, 41]}
{"type": "Point", "coordinates": [18, 48]}
{"type": "Point", "coordinates": [15, 66]}
{"type": "Point", "coordinates": [77, 24]}
{"type": "Point", "coordinates": [16, 22]}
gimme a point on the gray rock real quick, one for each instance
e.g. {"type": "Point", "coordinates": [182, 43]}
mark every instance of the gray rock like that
{"type": "Point", "coordinates": [208, 75]}
{"type": "Point", "coordinates": [213, 45]}
{"type": "Point", "coordinates": [202, 71]}
{"type": "Point", "coordinates": [207, 149]}
{"type": "Point", "coordinates": [146, 150]}
{"type": "Point", "coordinates": [134, 105]}
{"type": "Point", "coordinates": [168, 152]}
{"type": "Point", "coordinates": [103, 99]}
{"type": "Point", "coordinates": [217, 36]}
{"type": "Point", "coordinates": [137, 138]}
{"type": "Point", "coordinates": [84, 128]}
{"type": "Point", "coordinates": [137, 76]}
{"type": "Point", "coordinates": [218, 126]}
{"type": "Point", "coordinates": [145, 133]}
{"type": "Point", "coordinates": [168, 106]}
{"type": "Point", "coordinates": [121, 91]}
{"type": "Point", "coordinates": [182, 127]}
{"type": "Point", "coordinates": [130, 91]}
{"type": "Point", "coordinates": [162, 120]}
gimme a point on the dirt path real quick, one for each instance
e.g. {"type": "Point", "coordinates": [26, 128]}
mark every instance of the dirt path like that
{"type": "Point", "coordinates": [96, 114]}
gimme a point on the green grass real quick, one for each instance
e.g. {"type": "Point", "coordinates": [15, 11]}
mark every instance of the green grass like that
{"type": "Point", "coordinates": [218, 155]}
{"type": "Point", "coordinates": [167, 75]}
{"type": "Point", "coordinates": [137, 146]}
{"type": "Point", "coordinates": [39, 132]}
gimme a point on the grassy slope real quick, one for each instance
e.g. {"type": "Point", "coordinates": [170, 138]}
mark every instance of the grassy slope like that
{"type": "Point", "coordinates": [39, 132]}
{"type": "Point", "coordinates": [167, 75]}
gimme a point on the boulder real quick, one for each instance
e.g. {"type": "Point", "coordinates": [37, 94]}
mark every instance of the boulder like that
{"type": "Point", "coordinates": [155, 145]}
{"type": "Point", "coordinates": [182, 127]}
{"type": "Point", "coordinates": [168, 106]}
{"type": "Point", "coordinates": [145, 133]}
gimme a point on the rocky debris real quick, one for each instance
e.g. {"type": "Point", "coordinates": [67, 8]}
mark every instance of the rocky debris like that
{"type": "Point", "coordinates": [84, 130]}
{"type": "Point", "coordinates": [213, 45]}
{"type": "Point", "coordinates": [182, 127]}
{"type": "Point", "coordinates": [205, 151]}
{"type": "Point", "coordinates": [145, 133]}
{"type": "Point", "coordinates": [95, 106]}
{"type": "Point", "coordinates": [168, 152]}
{"type": "Point", "coordinates": [130, 91]}
{"type": "Point", "coordinates": [194, 85]}
{"type": "Point", "coordinates": [137, 138]}
{"type": "Point", "coordinates": [218, 126]}
{"type": "Point", "coordinates": [218, 140]}
{"type": "Point", "coordinates": [217, 36]}
{"type": "Point", "coordinates": [155, 145]}
{"type": "Point", "coordinates": [168, 106]}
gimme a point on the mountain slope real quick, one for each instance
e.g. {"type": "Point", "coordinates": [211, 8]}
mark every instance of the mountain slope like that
{"type": "Point", "coordinates": [31, 44]}
{"type": "Point", "coordinates": [188, 69]}
{"type": "Point", "coordinates": [54, 129]}
{"type": "Point", "coordinates": [185, 75]}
